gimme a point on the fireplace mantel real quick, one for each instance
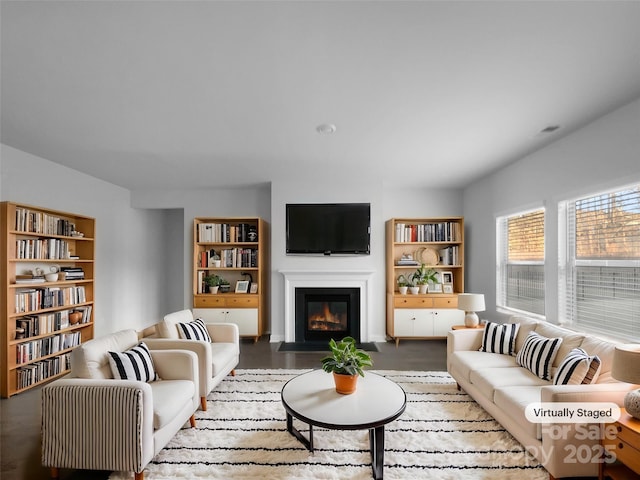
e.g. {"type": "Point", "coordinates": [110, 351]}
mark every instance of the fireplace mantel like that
{"type": "Point", "coordinates": [326, 278]}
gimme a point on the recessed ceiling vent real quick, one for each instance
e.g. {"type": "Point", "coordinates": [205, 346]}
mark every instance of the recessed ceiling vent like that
{"type": "Point", "coordinates": [326, 128]}
{"type": "Point", "coordinates": [550, 129]}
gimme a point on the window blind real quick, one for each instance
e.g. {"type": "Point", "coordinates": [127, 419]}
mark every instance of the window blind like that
{"type": "Point", "coordinates": [602, 274]}
{"type": "Point", "coordinates": [520, 270]}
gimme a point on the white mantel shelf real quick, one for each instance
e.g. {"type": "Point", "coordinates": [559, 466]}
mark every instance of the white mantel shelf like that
{"type": "Point", "coordinates": [326, 279]}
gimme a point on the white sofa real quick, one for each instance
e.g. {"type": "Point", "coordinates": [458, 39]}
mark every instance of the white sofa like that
{"type": "Point", "coordinates": [216, 359]}
{"type": "Point", "coordinates": [504, 389]}
{"type": "Point", "coordinates": [95, 422]}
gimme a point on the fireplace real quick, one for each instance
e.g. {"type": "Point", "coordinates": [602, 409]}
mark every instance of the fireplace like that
{"type": "Point", "coordinates": [326, 312]}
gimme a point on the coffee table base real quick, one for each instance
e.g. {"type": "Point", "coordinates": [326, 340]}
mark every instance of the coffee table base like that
{"type": "Point", "coordinates": [376, 444]}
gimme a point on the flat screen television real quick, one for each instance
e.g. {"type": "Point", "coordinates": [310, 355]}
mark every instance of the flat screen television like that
{"type": "Point", "coordinates": [328, 228]}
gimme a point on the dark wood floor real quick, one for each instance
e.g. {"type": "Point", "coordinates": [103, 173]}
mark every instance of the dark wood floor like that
{"type": "Point", "coordinates": [20, 415]}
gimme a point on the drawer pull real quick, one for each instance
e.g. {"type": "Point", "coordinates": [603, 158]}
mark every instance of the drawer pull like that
{"type": "Point", "coordinates": [620, 445]}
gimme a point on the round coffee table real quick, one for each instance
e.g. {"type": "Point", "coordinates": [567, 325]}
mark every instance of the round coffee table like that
{"type": "Point", "coordinates": [312, 398]}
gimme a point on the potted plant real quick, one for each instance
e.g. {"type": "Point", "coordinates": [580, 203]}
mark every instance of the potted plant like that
{"type": "Point", "coordinates": [346, 362]}
{"type": "Point", "coordinates": [423, 276]}
{"type": "Point", "coordinates": [225, 286]}
{"type": "Point", "coordinates": [403, 284]}
{"type": "Point", "coordinates": [213, 282]}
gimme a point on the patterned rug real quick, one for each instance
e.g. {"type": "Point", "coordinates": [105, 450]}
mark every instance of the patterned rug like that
{"type": "Point", "coordinates": [442, 434]}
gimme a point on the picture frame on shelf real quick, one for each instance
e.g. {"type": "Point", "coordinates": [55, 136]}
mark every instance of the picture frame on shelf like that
{"type": "Point", "coordinates": [242, 286]}
{"type": "Point", "coordinates": [435, 288]}
{"type": "Point", "coordinates": [447, 288]}
{"type": "Point", "coordinates": [253, 288]}
{"type": "Point", "coordinates": [446, 278]}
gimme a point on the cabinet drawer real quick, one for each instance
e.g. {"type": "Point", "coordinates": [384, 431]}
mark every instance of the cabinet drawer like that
{"type": "Point", "coordinates": [209, 301]}
{"type": "Point", "coordinates": [446, 302]}
{"type": "Point", "coordinates": [242, 302]}
{"type": "Point", "coordinates": [629, 436]}
{"type": "Point", "coordinates": [412, 302]}
{"type": "Point", "coordinates": [628, 455]}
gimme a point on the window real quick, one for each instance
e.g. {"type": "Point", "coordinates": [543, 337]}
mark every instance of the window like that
{"type": "Point", "coordinates": [520, 258]}
{"type": "Point", "coordinates": [600, 276]}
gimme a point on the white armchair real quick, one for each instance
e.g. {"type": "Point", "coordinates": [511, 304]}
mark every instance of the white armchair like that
{"type": "Point", "coordinates": [95, 422]}
{"type": "Point", "coordinates": [217, 358]}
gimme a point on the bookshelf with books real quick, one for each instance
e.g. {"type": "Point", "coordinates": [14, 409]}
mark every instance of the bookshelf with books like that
{"type": "Point", "coordinates": [47, 293]}
{"type": "Point", "coordinates": [438, 244]}
{"type": "Point", "coordinates": [236, 250]}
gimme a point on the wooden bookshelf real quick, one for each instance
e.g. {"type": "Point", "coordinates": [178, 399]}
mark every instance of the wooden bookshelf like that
{"type": "Point", "coordinates": [38, 331]}
{"type": "Point", "coordinates": [439, 244]}
{"type": "Point", "coordinates": [241, 244]}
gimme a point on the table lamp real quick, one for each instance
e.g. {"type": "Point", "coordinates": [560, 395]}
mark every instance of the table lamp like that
{"type": "Point", "coordinates": [626, 368]}
{"type": "Point", "coordinates": [471, 303]}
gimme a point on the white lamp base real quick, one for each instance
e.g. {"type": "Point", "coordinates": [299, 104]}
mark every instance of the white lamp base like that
{"type": "Point", "coordinates": [632, 403]}
{"type": "Point", "coordinates": [471, 319]}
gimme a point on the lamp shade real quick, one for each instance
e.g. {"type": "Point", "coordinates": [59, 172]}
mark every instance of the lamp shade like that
{"type": "Point", "coordinates": [626, 363]}
{"type": "Point", "coordinates": [471, 302]}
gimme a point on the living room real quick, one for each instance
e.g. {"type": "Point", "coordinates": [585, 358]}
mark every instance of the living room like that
{"type": "Point", "coordinates": [144, 233]}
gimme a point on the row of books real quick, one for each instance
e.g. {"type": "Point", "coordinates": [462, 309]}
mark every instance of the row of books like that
{"type": "Point", "coordinates": [450, 255]}
{"type": "Point", "coordinates": [42, 248]}
{"type": "Point", "coordinates": [225, 232]}
{"type": "Point", "coordinates": [73, 273]}
{"type": "Point", "coordinates": [34, 325]}
{"type": "Point", "coordinates": [38, 298]}
{"type": "Point", "coordinates": [28, 351]}
{"type": "Point", "coordinates": [39, 222]}
{"type": "Point", "coordinates": [38, 371]}
{"type": "Point", "coordinates": [230, 258]}
{"type": "Point", "coordinates": [428, 232]}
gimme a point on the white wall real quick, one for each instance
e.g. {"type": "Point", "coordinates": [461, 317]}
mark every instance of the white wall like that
{"type": "Point", "coordinates": [602, 155]}
{"type": "Point", "coordinates": [131, 288]}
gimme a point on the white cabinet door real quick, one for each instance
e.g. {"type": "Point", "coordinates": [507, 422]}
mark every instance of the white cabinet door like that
{"type": "Point", "coordinates": [245, 318]}
{"type": "Point", "coordinates": [444, 319]}
{"type": "Point", "coordinates": [412, 322]}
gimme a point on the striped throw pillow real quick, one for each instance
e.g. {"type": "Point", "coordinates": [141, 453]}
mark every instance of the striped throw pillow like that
{"type": "Point", "coordinates": [537, 354]}
{"type": "Point", "coordinates": [577, 368]}
{"type": "Point", "coordinates": [195, 330]}
{"type": "Point", "coordinates": [499, 338]}
{"type": "Point", "coordinates": [133, 364]}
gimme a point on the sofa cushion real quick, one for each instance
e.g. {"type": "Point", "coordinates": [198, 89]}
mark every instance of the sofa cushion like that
{"type": "Point", "coordinates": [221, 354]}
{"type": "Point", "coordinates": [604, 350]}
{"type": "Point", "coordinates": [133, 364]}
{"type": "Point", "coordinates": [91, 358]}
{"type": "Point", "coordinates": [465, 361]}
{"type": "Point", "coordinates": [538, 353]}
{"type": "Point", "coordinates": [527, 325]}
{"type": "Point", "coordinates": [570, 339]}
{"type": "Point", "coordinates": [514, 400]}
{"type": "Point", "coordinates": [577, 368]}
{"type": "Point", "coordinates": [487, 380]}
{"type": "Point", "coordinates": [195, 330]}
{"type": "Point", "coordinates": [499, 338]}
{"type": "Point", "coordinates": [169, 397]}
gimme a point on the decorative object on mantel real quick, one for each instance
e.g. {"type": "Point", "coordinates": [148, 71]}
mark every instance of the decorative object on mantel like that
{"type": "Point", "coordinates": [471, 303]}
{"type": "Point", "coordinates": [626, 368]}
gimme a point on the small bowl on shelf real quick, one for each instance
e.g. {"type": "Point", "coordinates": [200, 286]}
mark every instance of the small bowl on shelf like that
{"type": "Point", "coordinates": [51, 277]}
{"type": "Point", "coordinates": [75, 317]}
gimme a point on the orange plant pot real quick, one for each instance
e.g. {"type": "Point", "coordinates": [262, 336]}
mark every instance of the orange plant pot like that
{"type": "Point", "coordinates": [345, 384]}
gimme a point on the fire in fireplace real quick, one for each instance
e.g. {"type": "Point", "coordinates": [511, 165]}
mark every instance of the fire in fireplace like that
{"type": "Point", "coordinates": [325, 313]}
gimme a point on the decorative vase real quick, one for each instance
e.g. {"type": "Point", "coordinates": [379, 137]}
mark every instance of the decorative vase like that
{"type": "Point", "coordinates": [345, 384]}
{"type": "Point", "coordinates": [75, 317]}
{"type": "Point", "coordinates": [403, 290]}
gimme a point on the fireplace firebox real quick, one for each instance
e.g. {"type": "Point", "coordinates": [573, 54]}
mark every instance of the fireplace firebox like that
{"type": "Point", "coordinates": [325, 313]}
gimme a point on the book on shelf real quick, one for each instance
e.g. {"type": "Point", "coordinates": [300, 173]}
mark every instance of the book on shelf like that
{"type": "Point", "coordinates": [39, 222]}
{"type": "Point", "coordinates": [224, 232]}
{"type": "Point", "coordinates": [427, 232]}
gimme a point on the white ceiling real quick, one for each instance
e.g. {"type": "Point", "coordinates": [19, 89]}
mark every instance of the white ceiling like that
{"type": "Point", "coordinates": [181, 94]}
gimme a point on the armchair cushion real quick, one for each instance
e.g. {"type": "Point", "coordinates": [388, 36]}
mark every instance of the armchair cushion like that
{"type": "Point", "coordinates": [195, 330]}
{"type": "Point", "coordinates": [133, 364]}
{"type": "Point", "coordinates": [168, 398]}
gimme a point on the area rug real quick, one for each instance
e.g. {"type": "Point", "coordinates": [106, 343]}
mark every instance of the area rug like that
{"type": "Point", "coordinates": [442, 434]}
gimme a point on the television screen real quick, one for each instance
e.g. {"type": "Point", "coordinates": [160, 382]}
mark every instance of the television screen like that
{"type": "Point", "coordinates": [328, 228]}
